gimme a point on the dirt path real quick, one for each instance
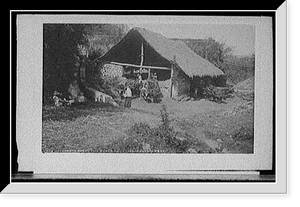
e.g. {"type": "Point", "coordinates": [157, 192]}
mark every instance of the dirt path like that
{"type": "Point", "coordinates": [179, 109]}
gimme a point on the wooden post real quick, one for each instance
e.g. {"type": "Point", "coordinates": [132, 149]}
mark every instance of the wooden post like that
{"type": "Point", "coordinates": [149, 70]}
{"type": "Point", "coordinates": [172, 74]}
{"type": "Point", "coordinates": [171, 81]}
{"type": "Point", "coordinates": [142, 57]}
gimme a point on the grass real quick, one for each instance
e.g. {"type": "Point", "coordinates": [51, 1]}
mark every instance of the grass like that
{"type": "Point", "coordinates": [232, 133]}
{"type": "Point", "coordinates": [242, 140]}
{"type": "Point", "coordinates": [151, 140]}
{"type": "Point", "coordinates": [79, 128]}
{"type": "Point", "coordinates": [148, 128]}
{"type": "Point", "coordinates": [163, 138]}
{"type": "Point", "coordinates": [74, 111]}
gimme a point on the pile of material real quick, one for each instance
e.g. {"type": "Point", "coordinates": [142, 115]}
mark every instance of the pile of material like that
{"type": "Point", "coordinates": [98, 96]}
{"type": "Point", "coordinates": [165, 87]}
{"type": "Point", "coordinates": [217, 94]}
{"type": "Point", "coordinates": [111, 70]}
{"type": "Point", "coordinates": [245, 89]}
{"type": "Point", "coordinates": [183, 98]}
{"type": "Point", "coordinates": [245, 94]}
{"type": "Point", "coordinates": [239, 108]}
{"type": "Point", "coordinates": [247, 84]}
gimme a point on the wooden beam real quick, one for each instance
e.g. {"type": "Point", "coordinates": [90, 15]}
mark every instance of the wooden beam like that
{"type": "Point", "coordinates": [138, 66]}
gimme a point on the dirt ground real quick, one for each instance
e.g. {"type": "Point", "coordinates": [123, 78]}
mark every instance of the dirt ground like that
{"type": "Point", "coordinates": [85, 129]}
{"type": "Point", "coordinates": [213, 123]}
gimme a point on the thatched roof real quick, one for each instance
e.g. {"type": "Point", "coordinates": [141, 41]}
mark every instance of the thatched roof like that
{"type": "Point", "coordinates": [190, 63]}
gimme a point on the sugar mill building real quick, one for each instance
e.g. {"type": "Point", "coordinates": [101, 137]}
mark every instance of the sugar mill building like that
{"type": "Point", "coordinates": [148, 52]}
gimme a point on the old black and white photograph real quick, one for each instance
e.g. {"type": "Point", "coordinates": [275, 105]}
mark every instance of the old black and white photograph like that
{"type": "Point", "coordinates": [148, 88]}
{"type": "Point", "coordinates": [134, 97]}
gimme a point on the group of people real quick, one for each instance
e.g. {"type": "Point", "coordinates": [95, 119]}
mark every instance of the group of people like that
{"type": "Point", "coordinates": [59, 100]}
{"type": "Point", "coordinates": [128, 95]}
{"type": "Point", "coordinates": [140, 79]}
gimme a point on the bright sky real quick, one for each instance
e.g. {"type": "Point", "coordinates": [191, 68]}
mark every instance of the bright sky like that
{"type": "Point", "coordinates": [240, 37]}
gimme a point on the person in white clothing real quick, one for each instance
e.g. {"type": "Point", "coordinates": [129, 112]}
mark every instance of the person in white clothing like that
{"type": "Point", "coordinates": [140, 78]}
{"type": "Point", "coordinates": [128, 97]}
{"type": "Point", "coordinates": [81, 98]}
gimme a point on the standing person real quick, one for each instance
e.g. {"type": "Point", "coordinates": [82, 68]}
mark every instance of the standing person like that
{"type": "Point", "coordinates": [140, 78]}
{"type": "Point", "coordinates": [155, 76]}
{"type": "Point", "coordinates": [140, 85]}
{"type": "Point", "coordinates": [128, 97]}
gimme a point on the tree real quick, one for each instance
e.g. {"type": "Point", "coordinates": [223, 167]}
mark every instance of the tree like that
{"type": "Point", "coordinates": [236, 68]}
{"type": "Point", "coordinates": [101, 37]}
{"type": "Point", "coordinates": [60, 50]}
{"type": "Point", "coordinates": [210, 49]}
{"type": "Point", "coordinates": [69, 47]}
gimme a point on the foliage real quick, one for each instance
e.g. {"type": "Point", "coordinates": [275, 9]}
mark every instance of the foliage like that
{"type": "Point", "coordinates": [143, 138]}
{"type": "Point", "coordinates": [164, 115]}
{"type": "Point", "coordinates": [236, 68]}
{"type": "Point", "coordinates": [68, 47]}
{"type": "Point", "coordinates": [101, 37]}
{"type": "Point", "coordinates": [210, 49]}
{"type": "Point", "coordinates": [72, 112]}
{"type": "Point", "coordinates": [60, 56]}
{"type": "Point", "coordinates": [217, 94]}
{"type": "Point", "coordinates": [244, 133]}
{"type": "Point", "coordinates": [242, 140]}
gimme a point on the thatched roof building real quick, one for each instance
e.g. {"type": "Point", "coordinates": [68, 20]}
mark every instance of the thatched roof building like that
{"type": "Point", "coordinates": [141, 48]}
{"type": "Point", "coordinates": [128, 51]}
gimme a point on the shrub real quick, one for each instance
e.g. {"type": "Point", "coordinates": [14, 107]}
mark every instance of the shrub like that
{"type": "Point", "coordinates": [142, 129]}
{"type": "Point", "coordinates": [157, 139]}
{"type": "Point", "coordinates": [141, 137]}
{"type": "Point", "coordinates": [164, 115]}
{"type": "Point", "coordinates": [244, 133]}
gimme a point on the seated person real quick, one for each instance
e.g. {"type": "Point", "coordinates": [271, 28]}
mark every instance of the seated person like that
{"type": "Point", "coordinates": [81, 98]}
